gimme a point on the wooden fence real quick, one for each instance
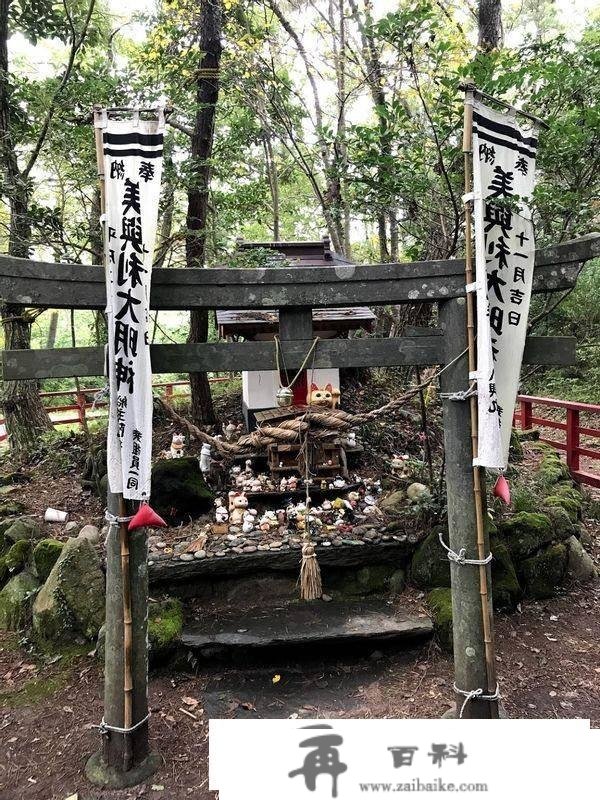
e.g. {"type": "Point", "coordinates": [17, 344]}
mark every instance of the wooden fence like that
{"type": "Point", "coordinates": [571, 425]}
{"type": "Point", "coordinates": [84, 401]}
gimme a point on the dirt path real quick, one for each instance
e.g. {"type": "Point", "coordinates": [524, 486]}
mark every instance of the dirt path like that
{"type": "Point", "coordinates": [547, 663]}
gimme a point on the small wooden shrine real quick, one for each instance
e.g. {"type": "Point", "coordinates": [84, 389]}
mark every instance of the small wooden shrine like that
{"type": "Point", "coordinates": [259, 388]}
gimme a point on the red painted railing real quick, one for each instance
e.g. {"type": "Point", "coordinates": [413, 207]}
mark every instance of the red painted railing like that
{"type": "Point", "coordinates": [84, 400]}
{"type": "Point", "coordinates": [572, 444]}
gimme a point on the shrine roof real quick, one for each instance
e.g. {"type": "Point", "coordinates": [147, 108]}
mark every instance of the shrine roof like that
{"type": "Point", "coordinates": [295, 254]}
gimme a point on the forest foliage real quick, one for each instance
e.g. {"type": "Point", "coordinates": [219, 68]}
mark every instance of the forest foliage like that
{"type": "Point", "coordinates": [334, 116]}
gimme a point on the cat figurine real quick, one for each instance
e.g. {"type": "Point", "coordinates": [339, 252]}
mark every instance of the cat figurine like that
{"type": "Point", "coordinates": [320, 396]}
{"type": "Point", "coordinates": [177, 445]}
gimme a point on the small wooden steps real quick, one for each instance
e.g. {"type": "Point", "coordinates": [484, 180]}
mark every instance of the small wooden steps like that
{"type": "Point", "coordinates": [304, 625]}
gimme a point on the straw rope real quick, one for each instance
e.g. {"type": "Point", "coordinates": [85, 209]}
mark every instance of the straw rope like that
{"type": "Point", "coordinates": [324, 422]}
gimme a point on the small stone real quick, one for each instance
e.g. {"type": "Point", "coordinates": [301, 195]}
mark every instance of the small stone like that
{"type": "Point", "coordinates": [263, 547]}
{"type": "Point", "coordinates": [150, 563]}
{"type": "Point", "coordinates": [161, 545]}
{"type": "Point", "coordinates": [186, 557]}
{"type": "Point", "coordinates": [326, 544]}
{"type": "Point", "coordinates": [200, 554]}
{"type": "Point", "coordinates": [91, 533]}
{"type": "Point", "coordinates": [234, 529]}
{"type": "Point", "coordinates": [72, 528]}
{"type": "Point", "coordinates": [221, 553]}
{"type": "Point", "coordinates": [250, 548]}
{"type": "Point", "coordinates": [327, 598]}
{"type": "Point", "coordinates": [237, 550]}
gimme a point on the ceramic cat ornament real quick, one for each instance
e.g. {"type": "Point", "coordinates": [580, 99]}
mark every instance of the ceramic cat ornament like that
{"type": "Point", "coordinates": [325, 396]}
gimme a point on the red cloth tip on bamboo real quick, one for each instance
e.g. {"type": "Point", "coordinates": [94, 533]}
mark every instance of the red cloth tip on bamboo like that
{"type": "Point", "coordinates": [146, 517]}
{"type": "Point", "coordinates": [502, 490]}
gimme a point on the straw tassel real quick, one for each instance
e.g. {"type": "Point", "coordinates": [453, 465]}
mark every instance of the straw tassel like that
{"type": "Point", "coordinates": [310, 573]}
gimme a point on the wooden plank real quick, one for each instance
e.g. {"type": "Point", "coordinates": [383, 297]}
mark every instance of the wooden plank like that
{"type": "Point", "coordinates": [238, 356]}
{"type": "Point", "coordinates": [295, 323]}
{"type": "Point", "coordinates": [230, 357]}
{"type": "Point", "coordinates": [42, 284]}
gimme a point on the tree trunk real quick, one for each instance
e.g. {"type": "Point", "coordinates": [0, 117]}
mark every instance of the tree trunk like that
{"type": "Point", "coordinates": [273, 180]}
{"type": "Point", "coordinates": [25, 416]}
{"type": "Point", "coordinates": [207, 94]}
{"type": "Point", "coordinates": [491, 34]}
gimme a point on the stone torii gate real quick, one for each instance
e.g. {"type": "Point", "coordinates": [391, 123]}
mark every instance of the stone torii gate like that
{"type": "Point", "coordinates": [294, 293]}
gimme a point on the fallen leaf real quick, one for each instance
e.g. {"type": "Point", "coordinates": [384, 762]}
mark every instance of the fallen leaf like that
{"type": "Point", "coordinates": [276, 678]}
{"type": "Point", "coordinates": [189, 701]}
{"type": "Point", "coordinates": [157, 787]}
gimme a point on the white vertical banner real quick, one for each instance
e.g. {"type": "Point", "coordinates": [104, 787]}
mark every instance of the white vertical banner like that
{"type": "Point", "coordinates": [132, 168]}
{"type": "Point", "coordinates": [504, 153]}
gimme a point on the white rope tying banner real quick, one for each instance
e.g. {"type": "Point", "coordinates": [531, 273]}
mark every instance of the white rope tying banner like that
{"type": "Point", "coordinates": [459, 558]}
{"type": "Point", "coordinates": [475, 694]}
{"type": "Point", "coordinates": [105, 728]}
{"type": "Point", "coordinates": [463, 395]}
{"type": "Point", "coordinates": [115, 520]}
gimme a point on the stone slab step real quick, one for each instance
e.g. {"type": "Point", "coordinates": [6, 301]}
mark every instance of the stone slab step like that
{"type": "Point", "coordinates": [298, 625]}
{"type": "Point", "coordinates": [165, 573]}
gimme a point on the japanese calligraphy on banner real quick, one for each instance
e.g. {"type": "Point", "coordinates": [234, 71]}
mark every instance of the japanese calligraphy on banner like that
{"type": "Point", "coordinates": [504, 154]}
{"type": "Point", "coordinates": [132, 169]}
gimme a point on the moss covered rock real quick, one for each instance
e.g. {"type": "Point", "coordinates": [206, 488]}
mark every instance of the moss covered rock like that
{"type": "Point", "coordinates": [23, 528]}
{"type": "Point", "coordinates": [580, 567]}
{"type": "Point", "coordinates": [430, 567]}
{"type": "Point", "coordinates": [562, 525]}
{"type": "Point", "coordinates": [179, 490]}
{"type": "Point", "coordinates": [370, 579]}
{"type": "Point", "coordinates": [440, 604]}
{"type": "Point", "coordinates": [18, 555]}
{"type": "Point", "coordinates": [543, 573]}
{"type": "Point", "coordinates": [551, 469]}
{"type": "Point", "coordinates": [4, 571]}
{"type": "Point", "coordinates": [11, 508]}
{"type": "Point", "coordinates": [16, 599]}
{"type": "Point", "coordinates": [45, 556]}
{"type": "Point", "coordinates": [506, 590]}
{"type": "Point", "coordinates": [165, 623]}
{"type": "Point", "coordinates": [516, 447]}
{"type": "Point", "coordinates": [525, 533]}
{"type": "Point", "coordinates": [394, 503]}
{"type": "Point", "coordinates": [570, 506]}
{"type": "Point", "coordinates": [71, 602]}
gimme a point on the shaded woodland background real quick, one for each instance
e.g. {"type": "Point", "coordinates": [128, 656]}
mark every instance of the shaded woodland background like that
{"type": "Point", "coordinates": [291, 119]}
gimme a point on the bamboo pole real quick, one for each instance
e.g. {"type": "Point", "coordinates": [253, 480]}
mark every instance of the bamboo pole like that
{"type": "Point", "coordinates": [478, 476]}
{"type": "Point", "coordinates": [469, 87]}
{"type": "Point", "coordinates": [124, 543]}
